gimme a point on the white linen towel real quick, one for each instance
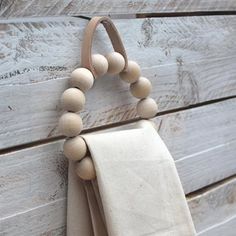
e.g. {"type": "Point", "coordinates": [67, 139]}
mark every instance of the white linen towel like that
{"type": "Point", "coordinates": [137, 191]}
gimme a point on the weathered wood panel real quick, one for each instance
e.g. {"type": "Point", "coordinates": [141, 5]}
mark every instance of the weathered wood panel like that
{"type": "Point", "coordinates": [226, 227]}
{"type": "Point", "coordinates": [37, 176]}
{"type": "Point", "coordinates": [32, 177]}
{"type": "Point", "coordinates": [214, 209]}
{"type": "Point", "coordinates": [215, 206]}
{"type": "Point", "coordinates": [21, 8]}
{"type": "Point", "coordinates": [189, 60]}
{"type": "Point", "coordinates": [45, 220]}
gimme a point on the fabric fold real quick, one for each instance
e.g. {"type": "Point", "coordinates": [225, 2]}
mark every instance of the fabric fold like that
{"type": "Point", "coordinates": [137, 190]}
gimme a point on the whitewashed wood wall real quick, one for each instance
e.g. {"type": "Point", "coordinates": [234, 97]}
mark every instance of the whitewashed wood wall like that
{"type": "Point", "coordinates": [187, 48]}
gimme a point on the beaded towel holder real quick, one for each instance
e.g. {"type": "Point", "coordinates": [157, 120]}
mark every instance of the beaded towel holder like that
{"type": "Point", "coordinates": [82, 79]}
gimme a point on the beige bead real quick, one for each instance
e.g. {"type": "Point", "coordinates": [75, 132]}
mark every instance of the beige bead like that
{"type": "Point", "coordinates": [70, 124]}
{"type": "Point", "coordinates": [75, 148]}
{"type": "Point", "coordinates": [116, 63]}
{"type": "Point", "coordinates": [147, 108]}
{"type": "Point", "coordinates": [82, 78]}
{"type": "Point", "coordinates": [141, 88]}
{"type": "Point", "coordinates": [132, 72]}
{"type": "Point", "coordinates": [73, 100]}
{"type": "Point", "coordinates": [100, 64]}
{"type": "Point", "coordinates": [85, 169]}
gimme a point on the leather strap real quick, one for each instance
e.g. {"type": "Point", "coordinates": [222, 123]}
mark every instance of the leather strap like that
{"type": "Point", "coordinates": [86, 57]}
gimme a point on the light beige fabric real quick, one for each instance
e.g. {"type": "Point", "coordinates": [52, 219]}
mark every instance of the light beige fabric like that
{"type": "Point", "coordinates": [137, 191]}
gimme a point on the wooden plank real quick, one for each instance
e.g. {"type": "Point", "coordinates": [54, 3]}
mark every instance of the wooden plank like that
{"type": "Point", "coordinates": [226, 227]}
{"type": "Point", "coordinates": [207, 166]}
{"type": "Point", "coordinates": [201, 140]}
{"type": "Point", "coordinates": [212, 207]}
{"type": "Point", "coordinates": [37, 176]}
{"type": "Point", "coordinates": [32, 177]}
{"type": "Point", "coordinates": [189, 60]}
{"type": "Point", "coordinates": [44, 220]}
{"type": "Point", "coordinates": [21, 8]}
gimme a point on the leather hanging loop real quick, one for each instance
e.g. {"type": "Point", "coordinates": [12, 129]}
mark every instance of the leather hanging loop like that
{"type": "Point", "coordinates": [86, 51]}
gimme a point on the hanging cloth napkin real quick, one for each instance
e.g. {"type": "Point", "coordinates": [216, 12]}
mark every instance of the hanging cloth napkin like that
{"type": "Point", "coordinates": [137, 190]}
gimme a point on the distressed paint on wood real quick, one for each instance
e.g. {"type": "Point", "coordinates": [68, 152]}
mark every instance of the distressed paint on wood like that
{"type": "Point", "coordinates": [204, 136]}
{"type": "Point", "coordinates": [37, 176]}
{"type": "Point", "coordinates": [189, 60]}
{"type": "Point", "coordinates": [226, 227]}
{"type": "Point", "coordinates": [32, 177]}
{"type": "Point", "coordinates": [44, 220]}
{"type": "Point", "coordinates": [214, 207]}
{"type": "Point", "coordinates": [209, 209]}
{"type": "Point", "coordinates": [21, 8]}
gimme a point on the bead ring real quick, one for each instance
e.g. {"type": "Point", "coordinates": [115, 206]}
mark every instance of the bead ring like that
{"type": "Point", "coordinates": [82, 79]}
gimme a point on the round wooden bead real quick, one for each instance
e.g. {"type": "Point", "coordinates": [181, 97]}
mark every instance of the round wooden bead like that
{"type": "Point", "coordinates": [147, 108]}
{"type": "Point", "coordinates": [100, 64]}
{"type": "Point", "coordinates": [70, 124]}
{"type": "Point", "coordinates": [141, 88]}
{"type": "Point", "coordinates": [73, 100]}
{"type": "Point", "coordinates": [75, 148]}
{"type": "Point", "coordinates": [116, 63]}
{"type": "Point", "coordinates": [132, 73]}
{"type": "Point", "coordinates": [85, 169]}
{"type": "Point", "coordinates": [82, 78]}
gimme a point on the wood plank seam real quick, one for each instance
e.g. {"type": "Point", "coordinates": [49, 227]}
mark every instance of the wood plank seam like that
{"type": "Point", "coordinates": [176, 81]}
{"type": "Point", "coordinates": [199, 206]}
{"type": "Point", "coordinates": [184, 14]}
{"type": "Point", "coordinates": [21, 8]}
{"type": "Point", "coordinates": [32, 209]}
{"type": "Point", "coordinates": [232, 218]}
{"type": "Point", "coordinates": [57, 138]}
{"type": "Point", "coordinates": [210, 187]}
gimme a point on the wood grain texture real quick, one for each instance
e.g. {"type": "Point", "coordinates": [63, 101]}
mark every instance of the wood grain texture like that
{"type": "Point", "coordinates": [188, 60]}
{"type": "Point", "coordinates": [212, 211]}
{"type": "Point", "coordinates": [21, 8]}
{"type": "Point", "coordinates": [37, 176]}
{"type": "Point", "coordinates": [201, 140]}
{"type": "Point", "coordinates": [44, 220]}
{"type": "Point", "coordinates": [226, 227]}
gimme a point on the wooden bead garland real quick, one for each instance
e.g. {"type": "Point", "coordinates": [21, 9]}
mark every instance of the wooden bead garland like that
{"type": "Point", "coordinates": [70, 124]}
{"type": "Point", "coordinates": [141, 88]}
{"type": "Point", "coordinates": [85, 169]}
{"type": "Point", "coordinates": [73, 100]}
{"type": "Point", "coordinates": [116, 63]}
{"type": "Point", "coordinates": [82, 79]}
{"type": "Point", "coordinates": [75, 148]}
{"type": "Point", "coordinates": [100, 64]}
{"type": "Point", "coordinates": [132, 73]}
{"type": "Point", "coordinates": [147, 108]}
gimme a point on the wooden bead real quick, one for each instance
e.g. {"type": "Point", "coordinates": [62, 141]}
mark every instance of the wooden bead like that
{"type": "Point", "coordinates": [75, 148]}
{"type": "Point", "coordinates": [70, 124]}
{"type": "Point", "coordinates": [73, 100]}
{"type": "Point", "coordinates": [82, 78]}
{"type": "Point", "coordinates": [85, 169]}
{"type": "Point", "coordinates": [141, 88]}
{"type": "Point", "coordinates": [116, 63]}
{"type": "Point", "coordinates": [147, 108]}
{"type": "Point", "coordinates": [132, 73]}
{"type": "Point", "coordinates": [100, 64]}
